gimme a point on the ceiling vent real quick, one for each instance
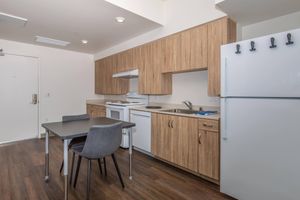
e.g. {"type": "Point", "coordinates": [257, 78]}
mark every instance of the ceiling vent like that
{"type": "Point", "coordinates": [51, 41]}
{"type": "Point", "coordinates": [12, 19]}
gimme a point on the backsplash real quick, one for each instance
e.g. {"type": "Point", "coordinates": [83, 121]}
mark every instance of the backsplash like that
{"type": "Point", "coordinates": [190, 86]}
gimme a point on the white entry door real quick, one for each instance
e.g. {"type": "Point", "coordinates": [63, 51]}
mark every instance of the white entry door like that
{"type": "Point", "coordinates": [18, 108]}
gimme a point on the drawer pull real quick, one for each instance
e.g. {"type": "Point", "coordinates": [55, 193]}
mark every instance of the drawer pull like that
{"type": "Point", "coordinates": [172, 125]}
{"type": "Point", "coordinates": [199, 138]}
{"type": "Point", "coordinates": [207, 125]}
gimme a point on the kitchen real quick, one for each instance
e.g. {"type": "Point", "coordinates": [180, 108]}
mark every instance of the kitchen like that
{"type": "Point", "coordinates": [167, 82]}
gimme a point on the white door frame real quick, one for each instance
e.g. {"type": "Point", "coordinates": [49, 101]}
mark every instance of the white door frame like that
{"type": "Point", "coordinates": [38, 86]}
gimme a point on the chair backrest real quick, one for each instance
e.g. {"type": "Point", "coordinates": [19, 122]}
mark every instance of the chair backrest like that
{"type": "Point", "coordinates": [102, 140]}
{"type": "Point", "coordinates": [70, 118]}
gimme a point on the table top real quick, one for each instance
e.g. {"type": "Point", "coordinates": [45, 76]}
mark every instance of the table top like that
{"type": "Point", "coordinates": [69, 130]}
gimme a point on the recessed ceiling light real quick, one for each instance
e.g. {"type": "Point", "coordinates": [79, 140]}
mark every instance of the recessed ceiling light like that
{"type": "Point", "coordinates": [51, 41]}
{"type": "Point", "coordinates": [120, 19]}
{"type": "Point", "coordinates": [84, 41]}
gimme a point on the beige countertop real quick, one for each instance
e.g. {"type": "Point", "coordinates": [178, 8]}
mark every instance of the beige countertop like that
{"type": "Point", "coordinates": [97, 102]}
{"type": "Point", "coordinates": [174, 106]}
{"type": "Point", "coordinates": [101, 102]}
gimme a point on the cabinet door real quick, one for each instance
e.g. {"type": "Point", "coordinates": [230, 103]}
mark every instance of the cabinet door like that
{"type": "Point", "coordinates": [172, 54]}
{"type": "Point", "coordinates": [151, 79]}
{"type": "Point", "coordinates": [104, 82]}
{"type": "Point", "coordinates": [96, 111]}
{"type": "Point", "coordinates": [184, 142]}
{"type": "Point", "coordinates": [220, 32]}
{"type": "Point", "coordinates": [125, 61]}
{"type": "Point", "coordinates": [101, 80]}
{"type": "Point", "coordinates": [161, 137]}
{"type": "Point", "coordinates": [209, 154]}
{"type": "Point", "coordinates": [198, 59]}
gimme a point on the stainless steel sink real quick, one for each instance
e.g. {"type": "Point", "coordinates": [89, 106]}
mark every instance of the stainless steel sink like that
{"type": "Point", "coordinates": [182, 111]}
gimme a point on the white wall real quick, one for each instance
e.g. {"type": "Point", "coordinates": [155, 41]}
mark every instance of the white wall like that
{"type": "Point", "coordinates": [190, 86]}
{"type": "Point", "coordinates": [67, 76]}
{"type": "Point", "coordinates": [179, 15]}
{"type": "Point", "coordinates": [275, 25]}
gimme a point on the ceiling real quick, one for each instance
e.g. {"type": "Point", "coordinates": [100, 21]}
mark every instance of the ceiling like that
{"type": "Point", "coordinates": [72, 21]}
{"type": "Point", "coordinates": [247, 12]}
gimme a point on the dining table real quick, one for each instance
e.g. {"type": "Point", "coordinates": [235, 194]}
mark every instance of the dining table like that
{"type": "Point", "coordinates": [67, 131]}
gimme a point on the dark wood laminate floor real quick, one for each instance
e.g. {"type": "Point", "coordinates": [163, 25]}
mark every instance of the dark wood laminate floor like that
{"type": "Point", "coordinates": [22, 177]}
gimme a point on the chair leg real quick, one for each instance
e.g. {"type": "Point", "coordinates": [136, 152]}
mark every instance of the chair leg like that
{"type": "Point", "coordinates": [118, 170]}
{"type": "Point", "coordinates": [88, 185]}
{"type": "Point", "coordinates": [105, 171]}
{"type": "Point", "coordinates": [77, 170]}
{"type": "Point", "coordinates": [72, 166]}
{"type": "Point", "coordinates": [100, 167]}
{"type": "Point", "coordinates": [61, 167]}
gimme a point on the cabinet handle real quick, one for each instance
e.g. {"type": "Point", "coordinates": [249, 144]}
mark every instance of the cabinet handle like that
{"type": "Point", "coordinates": [208, 126]}
{"type": "Point", "coordinates": [169, 124]}
{"type": "Point", "coordinates": [199, 138]}
{"type": "Point", "coordinates": [172, 126]}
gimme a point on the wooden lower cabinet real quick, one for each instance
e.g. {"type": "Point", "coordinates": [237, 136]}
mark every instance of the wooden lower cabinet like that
{"type": "Point", "coordinates": [209, 148]}
{"type": "Point", "coordinates": [184, 142]}
{"type": "Point", "coordinates": [174, 139]}
{"type": "Point", "coordinates": [95, 110]}
{"type": "Point", "coordinates": [208, 154]}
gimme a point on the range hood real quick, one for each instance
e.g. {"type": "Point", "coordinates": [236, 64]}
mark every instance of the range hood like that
{"type": "Point", "coordinates": [127, 74]}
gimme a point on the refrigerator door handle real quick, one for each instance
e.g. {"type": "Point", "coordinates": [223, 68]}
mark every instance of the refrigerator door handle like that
{"type": "Point", "coordinates": [223, 119]}
{"type": "Point", "coordinates": [223, 77]}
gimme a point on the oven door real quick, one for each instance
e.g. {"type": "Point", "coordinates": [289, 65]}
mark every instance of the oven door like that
{"type": "Point", "coordinates": [115, 112]}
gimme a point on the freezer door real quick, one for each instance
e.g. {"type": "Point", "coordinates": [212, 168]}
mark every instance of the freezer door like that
{"type": "Point", "coordinates": [260, 149]}
{"type": "Point", "coordinates": [265, 72]}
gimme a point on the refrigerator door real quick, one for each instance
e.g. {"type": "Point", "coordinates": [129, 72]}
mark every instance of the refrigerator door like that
{"type": "Point", "coordinates": [265, 72]}
{"type": "Point", "coordinates": [260, 148]}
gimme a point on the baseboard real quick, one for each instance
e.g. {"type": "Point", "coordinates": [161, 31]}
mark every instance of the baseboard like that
{"type": "Point", "coordinates": [43, 135]}
{"type": "Point", "coordinates": [15, 141]}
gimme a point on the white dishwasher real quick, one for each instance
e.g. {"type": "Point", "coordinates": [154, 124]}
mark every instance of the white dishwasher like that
{"type": "Point", "coordinates": [141, 133]}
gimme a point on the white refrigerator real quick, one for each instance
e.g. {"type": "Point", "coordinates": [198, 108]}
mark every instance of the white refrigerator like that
{"type": "Point", "coordinates": [260, 118]}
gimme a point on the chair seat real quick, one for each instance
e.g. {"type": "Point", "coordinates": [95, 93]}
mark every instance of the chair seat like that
{"type": "Point", "coordinates": [76, 141]}
{"type": "Point", "coordinates": [78, 147]}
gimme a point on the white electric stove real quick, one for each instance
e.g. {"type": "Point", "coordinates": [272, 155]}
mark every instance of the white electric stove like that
{"type": "Point", "coordinates": [119, 109]}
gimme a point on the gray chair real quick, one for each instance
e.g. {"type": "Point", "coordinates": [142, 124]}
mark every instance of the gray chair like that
{"type": "Point", "coordinates": [101, 141]}
{"type": "Point", "coordinates": [75, 141]}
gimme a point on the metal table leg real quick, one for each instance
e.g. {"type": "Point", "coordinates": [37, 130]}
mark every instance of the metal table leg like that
{"type": "Point", "coordinates": [66, 142]}
{"type": "Point", "coordinates": [47, 156]}
{"type": "Point", "coordinates": [130, 153]}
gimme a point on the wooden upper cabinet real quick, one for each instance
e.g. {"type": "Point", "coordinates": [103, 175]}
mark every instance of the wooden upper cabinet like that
{"type": "Point", "coordinates": [104, 82]}
{"type": "Point", "coordinates": [151, 79]}
{"type": "Point", "coordinates": [198, 47]}
{"type": "Point", "coordinates": [220, 32]}
{"type": "Point", "coordinates": [186, 51]}
{"type": "Point", "coordinates": [125, 61]}
{"type": "Point", "coordinates": [172, 53]}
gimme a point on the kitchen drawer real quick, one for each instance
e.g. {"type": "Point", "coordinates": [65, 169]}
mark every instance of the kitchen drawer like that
{"type": "Point", "coordinates": [210, 125]}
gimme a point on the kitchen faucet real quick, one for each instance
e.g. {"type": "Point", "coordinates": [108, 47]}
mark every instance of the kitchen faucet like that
{"type": "Point", "coordinates": [188, 104]}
